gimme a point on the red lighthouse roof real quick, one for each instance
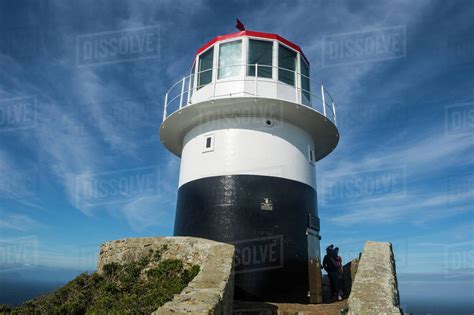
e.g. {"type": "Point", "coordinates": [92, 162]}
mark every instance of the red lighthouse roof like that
{"type": "Point", "coordinates": [252, 34]}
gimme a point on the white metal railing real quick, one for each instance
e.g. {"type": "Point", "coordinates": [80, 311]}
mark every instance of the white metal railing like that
{"type": "Point", "coordinates": [181, 93]}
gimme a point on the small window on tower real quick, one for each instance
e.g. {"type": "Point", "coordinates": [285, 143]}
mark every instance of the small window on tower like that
{"type": "Point", "coordinates": [208, 143]}
{"type": "Point", "coordinates": [311, 157]}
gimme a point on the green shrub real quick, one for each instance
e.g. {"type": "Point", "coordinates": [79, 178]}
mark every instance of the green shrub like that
{"type": "Point", "coordinates": [119, 289]}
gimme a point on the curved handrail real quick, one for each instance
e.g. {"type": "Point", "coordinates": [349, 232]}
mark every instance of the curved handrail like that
{"type": "Point", "coordinates": [189, 85]}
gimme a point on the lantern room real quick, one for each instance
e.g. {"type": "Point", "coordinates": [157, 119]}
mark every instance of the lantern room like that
{"type": "Point", "coordinates": [229, 65]}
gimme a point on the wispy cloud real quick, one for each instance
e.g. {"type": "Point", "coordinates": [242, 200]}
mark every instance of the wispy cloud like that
{"type": "Point", "coordinates": [100, 119]}
{"type": "Point", "coordinates": [93, 127]}
{"type": "Point", "coordinates": [416, 208]}
{"type": "Point", "coordinates": [422, 159]}
{"type": "Point", "coordinates": [17, 222]}
{"type": "Point", "coordinates": [147, 212]}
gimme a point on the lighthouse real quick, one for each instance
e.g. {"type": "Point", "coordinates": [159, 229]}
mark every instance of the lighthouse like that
{"type": "Point", "coordinates": [249, 126]}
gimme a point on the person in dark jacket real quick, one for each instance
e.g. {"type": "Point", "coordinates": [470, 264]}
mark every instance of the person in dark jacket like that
{"type": "Point", "coordinates": [340, 273]}
{"type": "Point", "coordinates": [329, 264]}
{"type": "Point", "coordinates": [326, 259]}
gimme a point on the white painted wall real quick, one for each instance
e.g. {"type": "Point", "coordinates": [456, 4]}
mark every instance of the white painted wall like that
{"type": "Point", "coordinates": [246, 86]}
{"type": "Point", "coordinates": [247, 145]}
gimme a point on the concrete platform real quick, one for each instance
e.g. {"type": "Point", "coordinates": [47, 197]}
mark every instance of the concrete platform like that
{"type": "Point", "coordinates": [267, 308]}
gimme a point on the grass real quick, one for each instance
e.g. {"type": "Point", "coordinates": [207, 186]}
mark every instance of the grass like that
{"type": "Point", "coordinates": [134, 288]}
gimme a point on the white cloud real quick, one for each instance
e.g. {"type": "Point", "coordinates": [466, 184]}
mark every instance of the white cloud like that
{"type": "Point", "coordinates": [17, 222]}
{"type": "Point", "coordinates": [422, 200]}
{"type": "Point", "coordinates": [157, 210]}
{"type": "Point", "coordinates": [414, 208]}
{"type": "Point", "coordinates": [146, 212]}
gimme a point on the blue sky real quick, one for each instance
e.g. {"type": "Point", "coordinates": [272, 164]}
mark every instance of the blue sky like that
{"type": "Point", "coordinates": [403, 171]}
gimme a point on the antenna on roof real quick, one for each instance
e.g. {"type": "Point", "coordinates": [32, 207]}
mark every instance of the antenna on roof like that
{"type": "Point", "coordinates": [239, 25]}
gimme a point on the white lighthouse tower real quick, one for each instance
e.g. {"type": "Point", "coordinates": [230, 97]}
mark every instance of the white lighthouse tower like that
{"type": "Point", "coordinates": [249, 127]}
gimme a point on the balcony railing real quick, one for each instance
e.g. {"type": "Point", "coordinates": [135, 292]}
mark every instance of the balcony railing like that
{"type": "Point", "coordinates": [181, 94]}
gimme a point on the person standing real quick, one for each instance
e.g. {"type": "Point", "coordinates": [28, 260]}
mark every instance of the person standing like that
{"type": "Point", "coordinates": [340, 273]}
{"type": "Point", "coordinates": [329, 264]}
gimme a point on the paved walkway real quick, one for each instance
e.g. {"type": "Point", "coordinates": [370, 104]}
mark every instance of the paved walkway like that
{"type": "Point", "coordinates": [263, 308]}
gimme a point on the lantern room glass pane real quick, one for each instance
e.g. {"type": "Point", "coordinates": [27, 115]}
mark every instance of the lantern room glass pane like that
{"type": "Point", "coordinates": [286, 65]}
{"type": "Point", "coordinates": [205, 67]}
{"type": "Point", "coordinates": [230, 59]}
{"type": "Point", "coordinates": [305, 82]}
{"type": "Point", "coordinates": [260, 52]}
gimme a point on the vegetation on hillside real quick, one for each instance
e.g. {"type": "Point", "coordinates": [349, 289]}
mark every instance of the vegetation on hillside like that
{"type": "Point", "coordinates": [134, 288]}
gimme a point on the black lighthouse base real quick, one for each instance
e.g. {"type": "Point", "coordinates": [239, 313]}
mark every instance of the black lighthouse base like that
{"type": "Point", "coordinates": [267, 219]}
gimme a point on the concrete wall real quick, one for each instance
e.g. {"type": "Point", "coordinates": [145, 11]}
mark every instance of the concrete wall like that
{"type": "Point", "coordinates": [375, 288]}
{"type": "Point", "coordinates": [210, 292]}
{"type": "Point", "coordinates": [350, 270]}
